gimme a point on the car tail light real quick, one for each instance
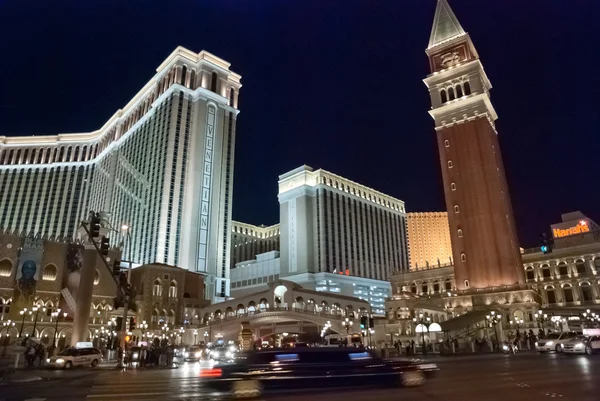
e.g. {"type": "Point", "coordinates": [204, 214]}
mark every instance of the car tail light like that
{"type": "Point", "coordinates": [212, 372]}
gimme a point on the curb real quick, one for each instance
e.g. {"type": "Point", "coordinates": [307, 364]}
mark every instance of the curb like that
{"type": "Point", "coordinates": [23, 380]}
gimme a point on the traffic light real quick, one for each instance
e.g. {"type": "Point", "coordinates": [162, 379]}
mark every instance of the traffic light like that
{"type": "Point", "coordinates": [104, 246]}
{"type": "Point", "coordinates": [363, 322]}
{"type": "Point", "coordinates": [95, 225]}
{"type": "Point", "coordinates": [546, 243]}
{"type": "Point", "coordinates": [131, 323]}
{"type": "Point", "coordinates": [116, 267]}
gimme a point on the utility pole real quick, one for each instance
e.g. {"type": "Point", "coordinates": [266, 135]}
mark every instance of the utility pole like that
{"type": "Point", "coordinates": [121, 363]}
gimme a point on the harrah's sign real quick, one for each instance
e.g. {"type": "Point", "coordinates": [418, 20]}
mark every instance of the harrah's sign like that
{"type": "Point", "coordinates": [580, 228]}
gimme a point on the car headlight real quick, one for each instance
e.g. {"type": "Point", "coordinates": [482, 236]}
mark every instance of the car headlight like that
{"type": "Point", "coordinates": [60, 360]}
{"type": "Point", "coordinates": [229, 354]}
{"type": "Point", "coordinates": [48, 360]}
{"type": "Point", "coordinates": [186, 354]}
{"type": "Point", "coordinates": [536, 344]}
{"type": "Point", "coordinates": [232, 348]}
{"type": "Point", "coordinates": [550, 343]}
{"type": "Point", "coordinates": [505, 347]}
{"type": "Point", "coordinates": [215, 354]}
{"type": "Point", "coordinates": [579, 345]}
{"type": "Point", "coordinates": [197, 354]}
{"type": "Point", "coordinates": [135, 355]}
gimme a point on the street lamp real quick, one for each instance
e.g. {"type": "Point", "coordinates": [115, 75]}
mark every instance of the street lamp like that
{"type": "Point", "coordinates": [493, 319]}
{"type": "Point", "coordinates": [23, 313]}
{"type": "Point", "coordinates": [143, 327]}
{"type": "Point", "coordinates": [206, 338]}
{"type": "Point", "coordinates": [424, 322]}
{"type": "Point", "coordinates": [347, 323]}
{"type": "Point", "coordinates": [541, 317]}
{"type": "Point", "coordinates": [6, 326]}
{"type": "Point", "coordinates": [56, 315]}
{"type": "Point", "coordinates": [36, 309]}
{"type": "Point", "coordinates": [181, 333]}
{"type": "Point", "coordinates": [196, 335]}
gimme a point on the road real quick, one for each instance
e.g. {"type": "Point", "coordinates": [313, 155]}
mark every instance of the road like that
{"type": "Point", "coordinates": [528, 377]}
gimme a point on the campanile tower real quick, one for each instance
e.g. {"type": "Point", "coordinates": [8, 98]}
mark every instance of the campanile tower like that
{"type": "Point", "coordinates": [484, 241]}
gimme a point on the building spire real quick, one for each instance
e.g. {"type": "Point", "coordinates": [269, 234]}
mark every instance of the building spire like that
{"type": "Point", "coordinates": [445, 25]}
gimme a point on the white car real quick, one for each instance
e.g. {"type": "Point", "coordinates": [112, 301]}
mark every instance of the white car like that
{"type": "Point", "coordinates": [72, 357]}
{"type": "Point", "coordinates": [582, 345]}
{"type": "Point", "coordinates": [554, 341]}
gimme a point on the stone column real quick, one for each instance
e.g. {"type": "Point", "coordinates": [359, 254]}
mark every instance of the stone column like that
{"type": "Point", "coordinates": [84, 295]}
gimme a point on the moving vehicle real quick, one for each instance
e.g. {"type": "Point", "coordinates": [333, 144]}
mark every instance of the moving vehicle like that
{"type": "Point", "coordinates": [510, 348]}
{"type": "Point", "coordinates": [223, 354]}
{"type": "Point", "coordinates": [311, 368]}
{"type": "Point", "coordinates": [554, 341]}
{"type": "Point", "coordinates": [582, 345]}
{"type": "Point", "coordinates": [72, 357]}
{"type": "Point", "coordinates": [194, 353]}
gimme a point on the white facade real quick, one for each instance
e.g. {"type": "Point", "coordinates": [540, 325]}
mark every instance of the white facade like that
{"type": "Point", "coordinates": [330, 224]}
{"type": "Point", "coordinates": [163, 165]}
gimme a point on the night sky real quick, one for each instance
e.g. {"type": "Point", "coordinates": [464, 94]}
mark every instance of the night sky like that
{"type": "Point", "coordinates": [335, 84]}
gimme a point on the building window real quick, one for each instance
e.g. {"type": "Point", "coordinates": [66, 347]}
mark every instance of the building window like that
{"type": "Point", "coordinates": [467, 87]}
{"type": "Point", "coordinates": [451, 94]}
{"type": "Point", "coordinates": [580, 266]}
{"type": "Point", "coordinates": [443, 96]}
{"type": "Point", "coordinates": [546, 271]}
{"type": "Point", "coordinates": [460, 233]}
{"type": "Point", "coordinates": [213, 82]}
{"type": "Point", "coordinates": [448, 285]}
{"type": "Point", "coordinates": [568, 291]}
{"type": "Point", "coordinates": [551, 295]}
{"type": "Point", "coordinates": [173, 289]}
{"type": "Point", "coordinates": [183, 75]}
{"type": "Point", "coordinates": [231, 97]}
{"type": "Point", "coordinates": [466, 283]}
{"type": "Point", "coordinates": [459, 91]}
{"type": "Point", "coordinates": [563, 269]}
{"type": "Point", "coordinates": [463, 257]}
{"type": "Point", "coordinates": [5, 268]}
{"type": "Point", "coordinates": [424, 289]}
{"type": "Point", "coordinates": [157, 288]}
{"type": "Point", "coordinates": [586, 292]}
{"type": "Point", "coordinates": [49, 273]}
{"type": "Point", "coordinates": [452, 186]}
{"type": "Point", "coordinates": [456, 209]}
{"type": "Point", "coordinates": [450, 164]}
{"type": "Point", "coordinates": [447, 143]}
{"type": "Point", "coordinates": [530, 273]}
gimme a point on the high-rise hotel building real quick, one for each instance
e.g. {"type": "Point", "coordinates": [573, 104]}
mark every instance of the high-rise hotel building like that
{"type": "Point", "coordinates": [428, 235]}
{"type": "Point", "coordinates": [331, 224]}
{"type": "Point", "coordinates": [163, 164]}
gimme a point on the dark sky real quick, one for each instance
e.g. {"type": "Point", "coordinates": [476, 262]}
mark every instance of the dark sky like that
{"type": "Point", "coordinates": [335, 84]}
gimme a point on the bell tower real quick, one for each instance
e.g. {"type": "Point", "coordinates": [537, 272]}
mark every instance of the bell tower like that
{"type": "Point", "coordinates": [484, 241]}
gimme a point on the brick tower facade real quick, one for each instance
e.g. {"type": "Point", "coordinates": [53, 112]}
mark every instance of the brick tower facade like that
{"type": "Point", "coordinates": [484, 241]}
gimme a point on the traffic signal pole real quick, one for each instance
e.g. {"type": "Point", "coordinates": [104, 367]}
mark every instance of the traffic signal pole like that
{"type": "Point", "coordinates": [121, 362]}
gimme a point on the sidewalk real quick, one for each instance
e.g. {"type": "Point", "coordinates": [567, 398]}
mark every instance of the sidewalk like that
{"type": "Point", "coordinates": [20, 376]}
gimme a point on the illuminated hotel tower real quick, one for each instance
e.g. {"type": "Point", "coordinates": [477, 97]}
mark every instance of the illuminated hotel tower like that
{"type": "Point", "coordinates": [484, 241]}
{"type": "Point", "coordinates": [163, 164]}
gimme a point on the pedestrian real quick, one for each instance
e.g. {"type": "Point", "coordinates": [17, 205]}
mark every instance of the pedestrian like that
{"type": "Point", "coordinates": [143, 357]}
{"type": "Point", "coordinates": [455, 342]}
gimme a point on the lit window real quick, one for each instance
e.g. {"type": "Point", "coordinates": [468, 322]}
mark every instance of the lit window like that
{"type": "Point", "coordinates": [450, 164]}
{"type": "Point", "coordinates": [460, 233]}
{"type": "Point", "coordinates": [463, 257]}
{"type": "Point", "coordinates": [453, 186]}
{"type": "Point", "coordinates": [456, 209]}
{"type": "Point", "coordinates": [447, 143]}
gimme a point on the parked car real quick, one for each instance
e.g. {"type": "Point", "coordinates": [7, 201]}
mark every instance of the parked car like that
{"type": "Point", "coordinates": [555, 341]}
{"type": "Point", "coordinates": [582, 345]}
{"type": "Point", "coordinates": [72, 357]}
{"type": "Point", "coordinates": [310, 368]}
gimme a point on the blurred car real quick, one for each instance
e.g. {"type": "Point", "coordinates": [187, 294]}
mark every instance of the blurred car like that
{"type": "Point", "coordinates": [311, 368]}
{"type": "Point", "coordinates": [72, 357]}
{"type": "Point", "coordinates": [554, 341]}
{"type": "Point", "coordinates": [193, 354]}
{"type": "Point", "coordinates": [582, 345]}
{"type": "Point", "coordinates": [223, 354]}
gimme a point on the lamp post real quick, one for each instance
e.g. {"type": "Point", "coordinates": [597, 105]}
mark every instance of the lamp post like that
{"type": "Point", "coordinates": [143, 326]}
{"type": "Point", "coordinates": [56, 315]}
{"type": "Point", "coordinates": [205, 338]}
{"type": "Point", "coordinates": [36, 309]}
{"type": "Point", "coordinates": [126, 236]}
{"type": "Point", "coordinates": [196, 336]}
{"type": "Point", "coordinates": [23, 313]}
{"type": "Point", "coordinates": [347, 323]}
{"type": "Point", "coordinates": [493, 319]}
{"type": "Point", "coordinates": [541, 317]}
{"type": "Point", "coordinates": [181, 333]}
{"type": "Point", "coordinates": [6, 326]}
{"type": "Point", "coordinates": [424, 322]}
{"type": "Point", "coordinates": [325, 331]}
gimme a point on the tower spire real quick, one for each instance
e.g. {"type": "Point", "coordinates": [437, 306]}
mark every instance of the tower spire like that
{"type": "Point", "coordinates": [445, 25]}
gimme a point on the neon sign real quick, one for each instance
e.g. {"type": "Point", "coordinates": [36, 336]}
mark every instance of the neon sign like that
{"type": "Point", "coordinates": [580, 228]}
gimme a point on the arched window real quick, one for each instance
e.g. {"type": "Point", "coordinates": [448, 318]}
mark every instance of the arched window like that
{"type": "Point", "coordinates": [451, 94]}
{"type": "Point", "coordinates": [448, 285]}
{"type": "Point", "coordinates": [450, 165]}
{"type": "Point", "coordinates": [456, 209]}
{"type": "Point", "coordinates": [466, 283]}
{"type": "Point", "coordinates": [4, 308]}
{"type": "Point", "coordinates": [447, 143]}
{"type": "Point", "coordinates": [157, 288]}
{"type": "Point", "coordinates": [424, 288]}
{"type": "Point", "coordinates": [173, 289]}
{"type": "Point", "coordinates": [61, 154]}
{"type": "Point", "coordinates": [183, 75]}
{"type": "Point", "coordinates": [452, 186]}
{"type": "Point", "coordinates": [463, 257]}
{"type": "Point", "coordinates": [213, 82]}
{"type": "Point", "coordinates": [413, 288]}
{"type": "Point", "coordinates": [49, 273]}
{"type": "Point", "coordinates": [231, 97]}
{"type": "Point", "coordinates": [580, 266]}
{"type": "Point", "coordinates": [530, 273]}
{"type": "Point", "coordinates": [96, 277]}
{"type": "Point", "coordinates": [568, 291]}
{"type": "Point", "coordinates": [154, 316]}
{"type": "Point", "coordinates": [459, 91]}
{"type": "Point", "coordinates": [26, 156]}
{"type": "Point", "coordinates": [551, 294]}
{"type": "Point", "coordinates": [18, 156]}
{"type": "Point", "coordinates": [586, 292]}
{"type": "Point", "coordinates": [467, 87]}
{"type": "Point", "coordinates": [546, 271]}
{"type": "Point", "coordinates": [460, 233]}
{"type": "Point", "coordinates": [436, 287]}
{"type": "Point", "coordinates": [443, 96]}
{"type": "Point", "coordinates": [5, 268]}
{"type": "Point", "coordinates": [192, 79]}
{"type": "Point", "coordinates": [563, 269]}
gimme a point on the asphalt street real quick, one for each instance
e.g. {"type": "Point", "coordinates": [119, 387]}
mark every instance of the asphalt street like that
{"type": "Point", "coordinates": [528, 377]}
